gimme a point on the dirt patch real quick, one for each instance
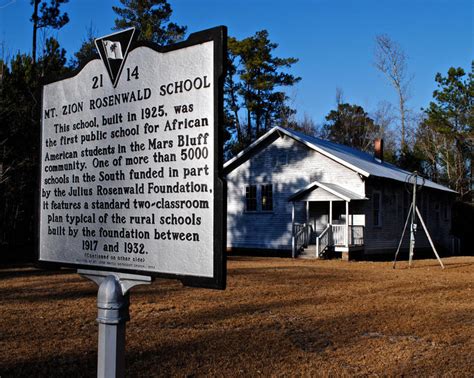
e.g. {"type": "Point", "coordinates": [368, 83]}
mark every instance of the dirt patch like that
{"type": "Point", "coordinates": [278, 317]}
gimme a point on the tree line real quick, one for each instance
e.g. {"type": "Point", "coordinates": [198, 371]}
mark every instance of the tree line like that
{"type": "Point", "coordinates": [437, 141]}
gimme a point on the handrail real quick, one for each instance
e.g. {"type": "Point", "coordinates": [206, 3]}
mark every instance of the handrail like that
{"type": "Point", "coordinates": [335, 235]}
{"type": "Point", "coordinates": [301, 232]}
{"type": "Point", "coordinates": [323, 240]}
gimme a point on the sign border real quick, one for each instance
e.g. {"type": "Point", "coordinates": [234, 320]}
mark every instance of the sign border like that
{"type": "Point", "coordinates": [218, 35]}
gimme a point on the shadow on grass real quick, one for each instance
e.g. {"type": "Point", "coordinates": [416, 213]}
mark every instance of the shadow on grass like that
{"type": "Point", "coordinates": [419, 254]}
{"type": "Point", "coordinates": [402, 265]}
{"type": "Point", "coordinates": [206, 341]}
{"type": "Point", "coordinates": [63, 365]}
{"type": "Point", "coordinates": [39, 295]}
{"type": "Point", "coordinates": [30, 271]}
{"type": "Point", "coordinates": [296, 339]}
{"type": "Point", "coordinates": [287, 340]}
{"type": "Point", "coordinates": [255, 252]}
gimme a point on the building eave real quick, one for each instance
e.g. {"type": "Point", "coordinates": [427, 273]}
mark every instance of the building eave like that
{"type": "Point", "coordinates": [328, 189]}
{"type": "Point", "coordinates": [281, 131]}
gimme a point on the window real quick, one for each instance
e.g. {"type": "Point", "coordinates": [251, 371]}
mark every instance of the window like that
{"type": "Point", "coordinates": [423, 201]}
{"type": "Point", "coordinates": [251, 198]}
{"type": "Point", "coordinates": [445, 211]}
{"type": "Point", "coordinates": [267, 197]}
{"type": "Point", "coordinates": [406, 204]}
{"type": "Point", "coordinates": [281, 158]}
{"type": "Point", "coordinates": [377, 208]}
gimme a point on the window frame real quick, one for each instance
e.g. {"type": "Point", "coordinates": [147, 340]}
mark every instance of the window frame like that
{"type": "Point", "coordinates": [425, 206]}
{"type": "Point", "coordinates": [249, 199]}
{"type": "Point", "coordinates": [406, 205]}
{"type": "Point", "coordinates": [378, 209]}
{"type": "Point", "coordinates": [281, 159]}
{"type": "Point", "coordinates": [445, 211]}
{"type": "Point", "coordinates": [264, 195]}
{"type": "Point", "coordinates": [437, 213]}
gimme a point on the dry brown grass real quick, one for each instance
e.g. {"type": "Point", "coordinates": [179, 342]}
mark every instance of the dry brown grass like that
{"type": "Point", "coordinates": [278, 317]}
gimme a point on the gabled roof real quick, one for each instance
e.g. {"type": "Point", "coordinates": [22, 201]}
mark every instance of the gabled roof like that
{"type": "Point", "coordinates": [358, 161]}
{"type": "Point", "coordinates": [337, 190]}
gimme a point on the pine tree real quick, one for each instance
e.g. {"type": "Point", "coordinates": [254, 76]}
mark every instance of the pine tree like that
{"type": "Point", "coordinates": [350, 125]}
{"type": "Point", "coordinates": [151, 18]}
{"type": "Point", "coordinates": [254, 87]}
{"type": "Point", "coordinates": [446, 134]}
{"type": "Point", "coordinates": [46, 15]}
{"type": "Point", "coordinates": [87, 50]}
{"type": "Point", "coordinates": [19, 135]}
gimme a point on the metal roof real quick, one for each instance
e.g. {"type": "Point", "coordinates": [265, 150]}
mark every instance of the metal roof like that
{"type": "Point", "coordinates": [337, 190]}
{"type": "Point", "coordinates": [361, 162]}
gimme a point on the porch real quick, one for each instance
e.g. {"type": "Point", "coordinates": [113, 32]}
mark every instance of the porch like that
{"type": "Point", "coordinates": [334, 221]}
{"type": "Point", "coordinates": [335, 237]}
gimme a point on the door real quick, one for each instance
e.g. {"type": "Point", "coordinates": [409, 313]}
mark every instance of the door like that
{"type": "Point", "coordinates": [318, 218]}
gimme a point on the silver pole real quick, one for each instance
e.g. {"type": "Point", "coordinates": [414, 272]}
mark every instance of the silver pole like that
{"type": "Point", "coordinates": [293, 241]}
{"type": "Point", "coordinates": [413, 225]}
{"type": "Point", "coordinates": [401, 239]}
{"type": "Point", "coordinates": [112, 314]}
{"type": "Point", "coordinates": [429, 237]}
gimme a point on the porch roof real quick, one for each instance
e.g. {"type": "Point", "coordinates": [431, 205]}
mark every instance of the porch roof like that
{"type": "Point", "coordinates": [334, 189]}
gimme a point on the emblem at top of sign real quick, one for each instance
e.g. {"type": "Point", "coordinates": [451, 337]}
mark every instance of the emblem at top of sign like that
{"type": "Point", "coordinates": [113, 50]}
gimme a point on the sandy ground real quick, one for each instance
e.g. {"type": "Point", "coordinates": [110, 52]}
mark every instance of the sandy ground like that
{"type": "Point", "coordinates": [278, 317]}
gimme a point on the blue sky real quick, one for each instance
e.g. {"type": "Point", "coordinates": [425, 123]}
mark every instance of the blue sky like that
{"type": "Point", "coordinates": [333, 40]}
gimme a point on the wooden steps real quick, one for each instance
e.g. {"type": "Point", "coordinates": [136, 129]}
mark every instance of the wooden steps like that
{"type": "Point", "coordinates": [308, 253]}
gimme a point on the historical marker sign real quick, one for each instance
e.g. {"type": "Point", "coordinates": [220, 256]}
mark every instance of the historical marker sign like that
{"type": "Point", "coordinates": [131, 161]}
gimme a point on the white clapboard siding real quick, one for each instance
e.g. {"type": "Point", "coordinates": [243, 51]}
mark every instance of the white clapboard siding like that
{"type": "Point", "coordinates": [385, 238]}
{"type": "Point", "coordinates": [289, 166]}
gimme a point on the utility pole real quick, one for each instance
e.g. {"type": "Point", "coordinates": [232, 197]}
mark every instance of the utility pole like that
{"type": "Point", "coordinates": [412, 213]}
{"type": "Point", "coordinates": [412, 222]}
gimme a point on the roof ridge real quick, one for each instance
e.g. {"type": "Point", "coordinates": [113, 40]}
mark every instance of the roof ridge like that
{"type": "Point", "coordinates": [359, 161]}
{"type": "Point", "coordinates": [335, 144]}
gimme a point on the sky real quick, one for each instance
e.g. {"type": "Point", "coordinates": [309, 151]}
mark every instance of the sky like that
{"type": "Point", "coordinates": [333, 40]}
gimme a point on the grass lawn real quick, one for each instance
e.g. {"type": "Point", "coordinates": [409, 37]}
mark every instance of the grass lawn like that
{"type": "Point", "coordinates": [277, 317]}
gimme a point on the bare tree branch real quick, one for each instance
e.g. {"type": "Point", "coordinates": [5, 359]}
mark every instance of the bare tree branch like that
{"type": "Point", "coordinates": [390, 59]}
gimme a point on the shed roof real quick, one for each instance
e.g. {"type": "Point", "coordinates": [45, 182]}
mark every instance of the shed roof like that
{"type": "Point", "coordinates": [361, 162]}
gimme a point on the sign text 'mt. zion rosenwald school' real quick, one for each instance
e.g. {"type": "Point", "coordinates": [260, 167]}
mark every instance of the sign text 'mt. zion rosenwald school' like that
{"type": "Point", "coordinates": [130, 160]}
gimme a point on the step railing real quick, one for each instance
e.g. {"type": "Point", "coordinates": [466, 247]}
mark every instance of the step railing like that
{"type": "Point", "coordinates": [324, 240]}
{"type": "Point", "coordinates": [301, 232]}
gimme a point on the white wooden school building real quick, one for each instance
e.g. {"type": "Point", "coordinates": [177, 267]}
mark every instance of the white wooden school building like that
{"type": "Point", "coordinates": [289, 191]}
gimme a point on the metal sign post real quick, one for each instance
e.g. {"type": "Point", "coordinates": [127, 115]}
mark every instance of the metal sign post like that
{"type": "Point", "coordinates": [112, 314]}
{"type": "Point", "coordinates": [131, 181]}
